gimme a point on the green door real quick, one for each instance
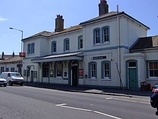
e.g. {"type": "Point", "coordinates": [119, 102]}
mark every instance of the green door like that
{"type": "Point", "coordinates": [133, 85]}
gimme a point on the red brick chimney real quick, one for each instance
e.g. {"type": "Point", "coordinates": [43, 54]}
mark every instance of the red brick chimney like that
{"type": "Point", "coordinates": [103, 7]}
{"type": "Point", "coordinates": [59, 23]}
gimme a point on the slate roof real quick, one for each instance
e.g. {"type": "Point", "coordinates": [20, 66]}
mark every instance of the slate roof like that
{"type": "Point", "coordinates": [57, 57]}
{"type": "Point", "coordinates": [143, 43]}
{"type": "Point", "coordinates": [11, 59]}
{"type": "Point", "coordinates": [110, 15]}
{"type": "Point", "coordinates": [48, 34]}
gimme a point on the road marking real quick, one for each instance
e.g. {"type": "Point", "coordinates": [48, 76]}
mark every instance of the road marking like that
{"type": "Point", "coordinates": [108, 98]}
{"type": "Point", "coordinates": [87, 110]}
{"type": "Point", "coordinates": [59, 105]}
{"type": "Point", "coordinates": [75, 108]}
{"type": "Point", "coordinates": [114, 117]}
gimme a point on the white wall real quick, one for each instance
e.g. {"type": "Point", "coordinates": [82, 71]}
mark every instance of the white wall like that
{"type": "Point", "coordinates": [130, 31]}
{"type": "Point", "coordinates": [73, 41]}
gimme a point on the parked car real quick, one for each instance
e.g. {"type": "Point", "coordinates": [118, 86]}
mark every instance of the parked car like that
{"type": "Point", "coordinates": [13, 78]}
{"type": "Point", "coordinates": [3, 81]}
{"type": "Point", "coordinates": [154, 99]}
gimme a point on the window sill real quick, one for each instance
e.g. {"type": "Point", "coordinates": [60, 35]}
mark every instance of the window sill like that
{"type": "Point", "coordinates": [53, 52]}
{"type": "Point", "coordinates": [67, 51]}
{"type": "Point", "coordinates": [92, 79]}
{"type": "Point", "coordinates": [100, 44]}
{"type": "Point", "coordinates": [152, 78]}
{"type": "Point", "coordinates": [106, 79]}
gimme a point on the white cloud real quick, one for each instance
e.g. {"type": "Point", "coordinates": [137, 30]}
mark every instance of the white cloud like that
{"type": "Point", "coordinates": [2, 19]}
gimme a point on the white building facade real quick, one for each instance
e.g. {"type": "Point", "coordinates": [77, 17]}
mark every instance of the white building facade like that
{"type": "Point", "coordinates": [94, 53]}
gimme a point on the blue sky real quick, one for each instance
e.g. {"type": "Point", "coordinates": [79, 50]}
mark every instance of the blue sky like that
{"type": "Point", "coordinates": [33, 16]}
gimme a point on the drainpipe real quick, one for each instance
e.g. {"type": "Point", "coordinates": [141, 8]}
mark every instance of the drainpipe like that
{"type": "Point", "coordinates": [119, 50]}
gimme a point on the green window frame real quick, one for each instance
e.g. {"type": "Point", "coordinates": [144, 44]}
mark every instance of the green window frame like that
{"type": "Point", "coordinates": [66, 44]}
{"type": "Point", "coordinates": [105, 70]}
{"type": "Point", "coordinates": [92, 70]}
{"type": "Point", "coordinates": [31, 48]}
{"type": "Point", "coordinates": [96, 36]}
{"type": "Point", "coordinates": [80, 42]}
{"type": "Point", "coordinates": [105, 34]}
{"type": "Point", "coordinates": [53, 47]}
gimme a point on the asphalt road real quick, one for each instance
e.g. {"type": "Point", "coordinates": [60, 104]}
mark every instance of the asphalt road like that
{"type": "Point", "coordinates": [37, 103]}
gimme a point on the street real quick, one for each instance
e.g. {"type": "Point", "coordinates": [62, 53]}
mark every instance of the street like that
{"type": "Point", "coordinates": [38, 103]}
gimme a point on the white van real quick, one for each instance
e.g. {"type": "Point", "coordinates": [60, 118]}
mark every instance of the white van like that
{"type": "Point", "coordinates": [13, 78]}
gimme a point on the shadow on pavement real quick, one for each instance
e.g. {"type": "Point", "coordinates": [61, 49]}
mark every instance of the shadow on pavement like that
{"type": "Point", "coordinates": [84, 89]}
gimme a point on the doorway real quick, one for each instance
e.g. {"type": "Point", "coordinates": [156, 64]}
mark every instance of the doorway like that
{"type": "Point", "coordinates": [74, 76]}
{"type": "Point", "coordinates": [132, 75]}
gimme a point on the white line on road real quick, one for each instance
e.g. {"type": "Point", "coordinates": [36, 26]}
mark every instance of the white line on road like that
{"type": "Point", "coordinates": [87, 110]}
{"type": "Point", "coordinates": [75, 108]}
{"type": "Point", "coordinates": [59, 105]}
{"type": "Point", "coordinates": [108, 98]}
{"type": "Point", "coordinates": [114, 117]}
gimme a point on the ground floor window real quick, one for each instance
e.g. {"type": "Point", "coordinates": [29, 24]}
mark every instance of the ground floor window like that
{"type": "Point", "coordinates": [92, 70]}
{"type": "Point", "coordinates": [59, 69]}
{"type": "Point", "coordinates": [12, 69]}
{"type": "Point", "coordinates": [105, 70]}
{"type": "Point", "coordinates": [153, 69]}
{"type": "Point", "coordinates": [45, 70]}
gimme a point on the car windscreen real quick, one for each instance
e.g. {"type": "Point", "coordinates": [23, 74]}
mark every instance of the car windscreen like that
{"type": "Point", "coordinates": [15, 74]}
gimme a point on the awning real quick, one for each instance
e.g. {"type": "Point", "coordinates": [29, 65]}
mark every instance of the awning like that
{"type": "Point", "coordinates": [59, 57]}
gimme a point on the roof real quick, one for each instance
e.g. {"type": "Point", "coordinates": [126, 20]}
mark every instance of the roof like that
{"type": "Point", "coordinates": [110, 15]}
{"type": "Point", "coordinates": [11, 59]}
{"type": "Point", "coordinates": [145, 43]}
{"type": "Point", "coordinates": [43, 33]}
{"type": "Point", "coordinates": [48, 34]}
{"type": "Point", "coordinates": [5, 57]}
{"type": "Point", "coordinates": [59, 57]}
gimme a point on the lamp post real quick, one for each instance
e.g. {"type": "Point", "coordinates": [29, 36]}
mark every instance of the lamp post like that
{"type": "Point", "coordinates": [21, 34]}
{"type": "Point", "coordinates": [21, 53]}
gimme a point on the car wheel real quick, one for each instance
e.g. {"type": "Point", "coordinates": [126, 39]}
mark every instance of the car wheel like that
{"type": "Point", "coordinates": [21, 84]}
{"type": "Point", "coordinates": [10, 83]}
{"type": "Point", "coordinates": [5, 85]}
{"type": "Point", "coordinates": [156, 113]}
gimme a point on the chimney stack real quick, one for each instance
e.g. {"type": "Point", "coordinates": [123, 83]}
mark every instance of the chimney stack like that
{"type": "Point", "coordinates": [59, 23]}
{"type": "Point", "coordinates": [103, 7]}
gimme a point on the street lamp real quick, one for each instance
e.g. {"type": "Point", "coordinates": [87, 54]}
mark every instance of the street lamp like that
{"type": "Point", "coordinates": [21, 34]}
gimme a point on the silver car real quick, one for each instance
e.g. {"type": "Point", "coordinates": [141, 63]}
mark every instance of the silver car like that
{"type": "Point", "coordinates": [3, 81]}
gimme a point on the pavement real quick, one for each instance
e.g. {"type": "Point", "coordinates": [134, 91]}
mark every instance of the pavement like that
{"type": "Point", "coordinates": [92, 90]}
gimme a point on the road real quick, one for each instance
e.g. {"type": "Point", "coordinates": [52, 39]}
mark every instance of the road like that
{"type": "Point", "coordinates": [37, 103]}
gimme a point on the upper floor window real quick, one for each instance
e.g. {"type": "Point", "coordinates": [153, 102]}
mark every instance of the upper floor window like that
{"type": "Point", "coordinates": [105, 33]}
{"type": "Point", "coordinates": [153, 69]}
{"type": "Point", "coordinates": [66, 44]}
{"type": "Point", "coordinates": [96, 34]}
{"type": "Point", "coordinates": [53, 47]}
{"type": "Point", "coordinates": [31, 48]}
{"type": "Point", "coordinates": [80, 42]}
{"type": "Point", "coordinates": [92, 70]}
{"type": "Point", "coordinates": [105, 70]}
